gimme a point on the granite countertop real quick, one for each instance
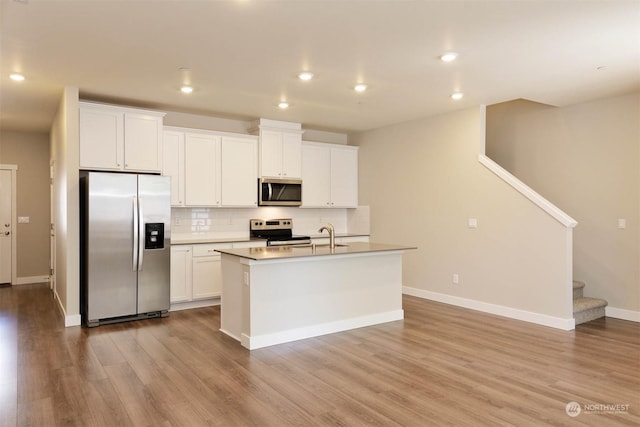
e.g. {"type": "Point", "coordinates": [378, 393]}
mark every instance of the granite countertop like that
{"type": "Point", "coordinates": [302, 251]}
{"type": "Point", "coordinates": [193, 240]}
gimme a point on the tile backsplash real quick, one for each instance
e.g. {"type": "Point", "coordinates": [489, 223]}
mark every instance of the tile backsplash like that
{"type": "Point", "coordinates": [232, 223]}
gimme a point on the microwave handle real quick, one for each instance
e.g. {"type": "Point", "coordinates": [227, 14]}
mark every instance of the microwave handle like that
{"type": "Point", "coordinates": [270, 191]}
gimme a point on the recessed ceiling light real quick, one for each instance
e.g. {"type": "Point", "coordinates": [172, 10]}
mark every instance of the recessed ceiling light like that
{"type": "Point", "coordinates": [186, 89]}
{"type": "Point", "coordinates": [448, 57]}
{"type": "Point", "coordinates": [283, 104]}
{"type": "Point", "coordinates": [360, 87]}
{"type": "Point", "coordinates": [17, 77]}
{"type": "Point", "coordinates": [305, 75]}
{"type": "Point", "coordinates": [457, 95]}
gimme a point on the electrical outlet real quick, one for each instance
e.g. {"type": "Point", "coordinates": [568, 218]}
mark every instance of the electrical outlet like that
{"type": "Point", "coordinates": [455, 279]}
{"type": "Point", "coordinates": [176, 221]}
{"type": "Point", "coordinates": [622, 223]}
{"type": "Point", "coordinates": [473, 223]}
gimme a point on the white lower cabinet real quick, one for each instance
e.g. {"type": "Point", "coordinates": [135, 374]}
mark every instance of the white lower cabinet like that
{"type": "Point", "coordinates": [181, 273]}
{"type": "Point", "coordinates": [195, 272]}
{"type": "Point", "coordinates": [207, 278]}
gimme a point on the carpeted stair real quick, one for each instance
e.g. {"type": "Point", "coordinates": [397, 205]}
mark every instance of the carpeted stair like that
{"type": "Point", "coordinates": [586, 309]}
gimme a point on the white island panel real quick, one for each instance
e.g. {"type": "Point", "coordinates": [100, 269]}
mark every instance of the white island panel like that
{"type": "Point", "coordinates": [271, 302]}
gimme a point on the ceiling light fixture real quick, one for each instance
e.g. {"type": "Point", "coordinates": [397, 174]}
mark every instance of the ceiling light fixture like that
{"type": "Point", "coordinates": [457, 96]}
{"type": "Point", "coordinates": [283, 105]}
{"type": "Point", "coordinates": [17, 77]}
{"type": "Point", "coordinates": [448, 57]}
{"type": "Point", "coordinates": [305, 76]}
{"type": "Point", "coordinates": [186, 89]}
{"type": "Point", "coordinates": [360, 87]}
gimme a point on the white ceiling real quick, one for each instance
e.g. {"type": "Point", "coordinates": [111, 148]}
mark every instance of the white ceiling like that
{"type": "Point", "coordinates": [243, 56]}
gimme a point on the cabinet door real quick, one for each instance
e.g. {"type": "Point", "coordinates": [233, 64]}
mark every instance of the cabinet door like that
{"type": "Point", "coordinates": [173, 164]}
{"type": "Point", "coordinates": [271, 153]}
{"type": "Point", "coordinates": [316, 172]}
{"type": "Point", "coordinates": [344, 177]}
{"type": "Point", "coordinates": [181, 274]}
{"type": "Point", "coordinates": [207, 277]}
{"type": "Point", "coordinates": [101, 139]}
{"type": "Point", "coordinates": [142, 137]}
{"type": "Point", "coordinates": [201, 171]}
{"type": "Point", "coordinates": [291, 155]}
{"type": "Point", "coordinates": [239, 172]}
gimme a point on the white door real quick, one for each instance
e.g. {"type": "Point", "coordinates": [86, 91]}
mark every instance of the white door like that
{"type": "Point", "coordinates": [6, 229]}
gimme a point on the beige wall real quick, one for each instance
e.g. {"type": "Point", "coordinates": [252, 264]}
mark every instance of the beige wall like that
{"type": "Point", "coordinates": [65, 156]}
{"type": "Point", "coordinates": [423, 181]}
{"type": "Point", "coordinates": [586, 159]}
{"type": "Point", "coordinates": [30, 151]}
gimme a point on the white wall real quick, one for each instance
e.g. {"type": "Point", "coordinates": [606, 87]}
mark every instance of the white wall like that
{"type": "Point", "coordinates": [586, 159]}
{"type": "Point", "coordinates": [422, 181]}
{"type": "Point", "coordinates": [65, 155]}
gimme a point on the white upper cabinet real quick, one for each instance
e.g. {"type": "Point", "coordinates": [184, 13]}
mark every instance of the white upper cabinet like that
{"type": "Point", "coordinates": [211, 169]}
{"type": "Point", "coordinates": [344, 177]}
{"type": "Point", "coordinates": [173, 164]}
{"type": "Point", "coordinates": [329, 175]}
{"type": "Point", "coordinates": [280, 149]}
{"type": "Point", "coordinates": [202, 169]}
{"type": "Point", "coordinates": [120, 139]}
{"type": "Point", "coordinates": [239, 171]}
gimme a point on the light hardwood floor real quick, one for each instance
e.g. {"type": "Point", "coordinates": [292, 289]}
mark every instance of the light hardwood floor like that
{"type": "Point", "coordinates": [442, 365]}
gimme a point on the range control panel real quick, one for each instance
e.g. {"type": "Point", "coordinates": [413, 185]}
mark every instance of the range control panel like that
{"type": "Point", "coordinates": [271, 224]}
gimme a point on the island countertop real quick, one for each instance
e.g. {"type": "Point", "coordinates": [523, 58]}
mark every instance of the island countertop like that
{"type": "Point", "coordinates": [300, 251]}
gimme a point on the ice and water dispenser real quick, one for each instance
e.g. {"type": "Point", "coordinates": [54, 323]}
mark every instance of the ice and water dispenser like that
{"type": "Point", "coordinates": [154, 235]}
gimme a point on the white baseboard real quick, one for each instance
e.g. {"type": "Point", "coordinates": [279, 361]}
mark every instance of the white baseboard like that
{"type": "Point", "coordinates": [177, 306]}
{"type": "Point", "coordinates": [621, 313]}
{"type": "Point", "coordinates": [69, 320]}
{"type": "Point", "coordinates": [500, 310]}
{"type": "Point", "coordinates": [255, 342]}
{"type": "Point", "coordinates": [31, 279]}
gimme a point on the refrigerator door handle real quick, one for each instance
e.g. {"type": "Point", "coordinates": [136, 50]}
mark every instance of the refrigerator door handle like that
{"type": "Point", "coordinates": [141, 238]}
{"type": "Point", "coordinates": [135, 233]}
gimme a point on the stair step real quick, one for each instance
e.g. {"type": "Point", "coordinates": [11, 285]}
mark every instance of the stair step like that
{"type": "Point", "coordinates": [587, 309]}
{"type": "Point", "coordinates": [578, 289]}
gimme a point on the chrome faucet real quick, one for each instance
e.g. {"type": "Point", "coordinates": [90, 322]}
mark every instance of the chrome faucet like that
{"type": "Point", "coordinates": [332, 235]}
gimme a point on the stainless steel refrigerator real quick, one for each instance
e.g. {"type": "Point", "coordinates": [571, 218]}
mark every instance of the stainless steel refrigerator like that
{"type": "Point", "coordinates": [125, 246]}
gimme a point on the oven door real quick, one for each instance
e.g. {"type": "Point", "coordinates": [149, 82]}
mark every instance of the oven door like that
{"type": "Point", "coordinates": [279, 192]}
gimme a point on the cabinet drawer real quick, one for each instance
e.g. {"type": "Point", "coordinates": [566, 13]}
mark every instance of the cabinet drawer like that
{"type": "Point", "coordinates": [209, 249]}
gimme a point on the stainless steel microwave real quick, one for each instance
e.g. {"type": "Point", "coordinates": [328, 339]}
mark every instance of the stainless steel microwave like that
{"type": "Point", "coordinates": [279, 192]}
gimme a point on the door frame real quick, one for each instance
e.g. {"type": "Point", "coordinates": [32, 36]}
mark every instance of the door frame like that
{"type": "Point", "coordinates": [14, 221]}
{"type": "Point", "coordinates": [52, 229]}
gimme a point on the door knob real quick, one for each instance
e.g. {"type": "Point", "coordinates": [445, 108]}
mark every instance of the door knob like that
{"type": "Point", "coordinates": [7, 225]}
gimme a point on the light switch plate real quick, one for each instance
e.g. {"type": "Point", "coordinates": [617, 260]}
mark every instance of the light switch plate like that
{"type": "Point", "coordinates": [23, 220]}
{"type": "Point", "coordinates": [473, 223]}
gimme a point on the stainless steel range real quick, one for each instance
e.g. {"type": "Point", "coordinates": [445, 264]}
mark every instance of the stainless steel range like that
{"type": "Point", "coordinates": [277, 232]}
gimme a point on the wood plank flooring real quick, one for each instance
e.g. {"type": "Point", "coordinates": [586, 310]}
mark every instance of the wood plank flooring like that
{"type": "Point", "coordinates": [442, 366]}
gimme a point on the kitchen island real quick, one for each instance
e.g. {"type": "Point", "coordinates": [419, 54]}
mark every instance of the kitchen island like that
{"type": "Point", "coordinates": [277, 294]}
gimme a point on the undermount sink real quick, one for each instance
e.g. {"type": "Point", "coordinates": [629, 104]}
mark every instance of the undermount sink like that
{"type": "Point", "coordinates": [325, 245]}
